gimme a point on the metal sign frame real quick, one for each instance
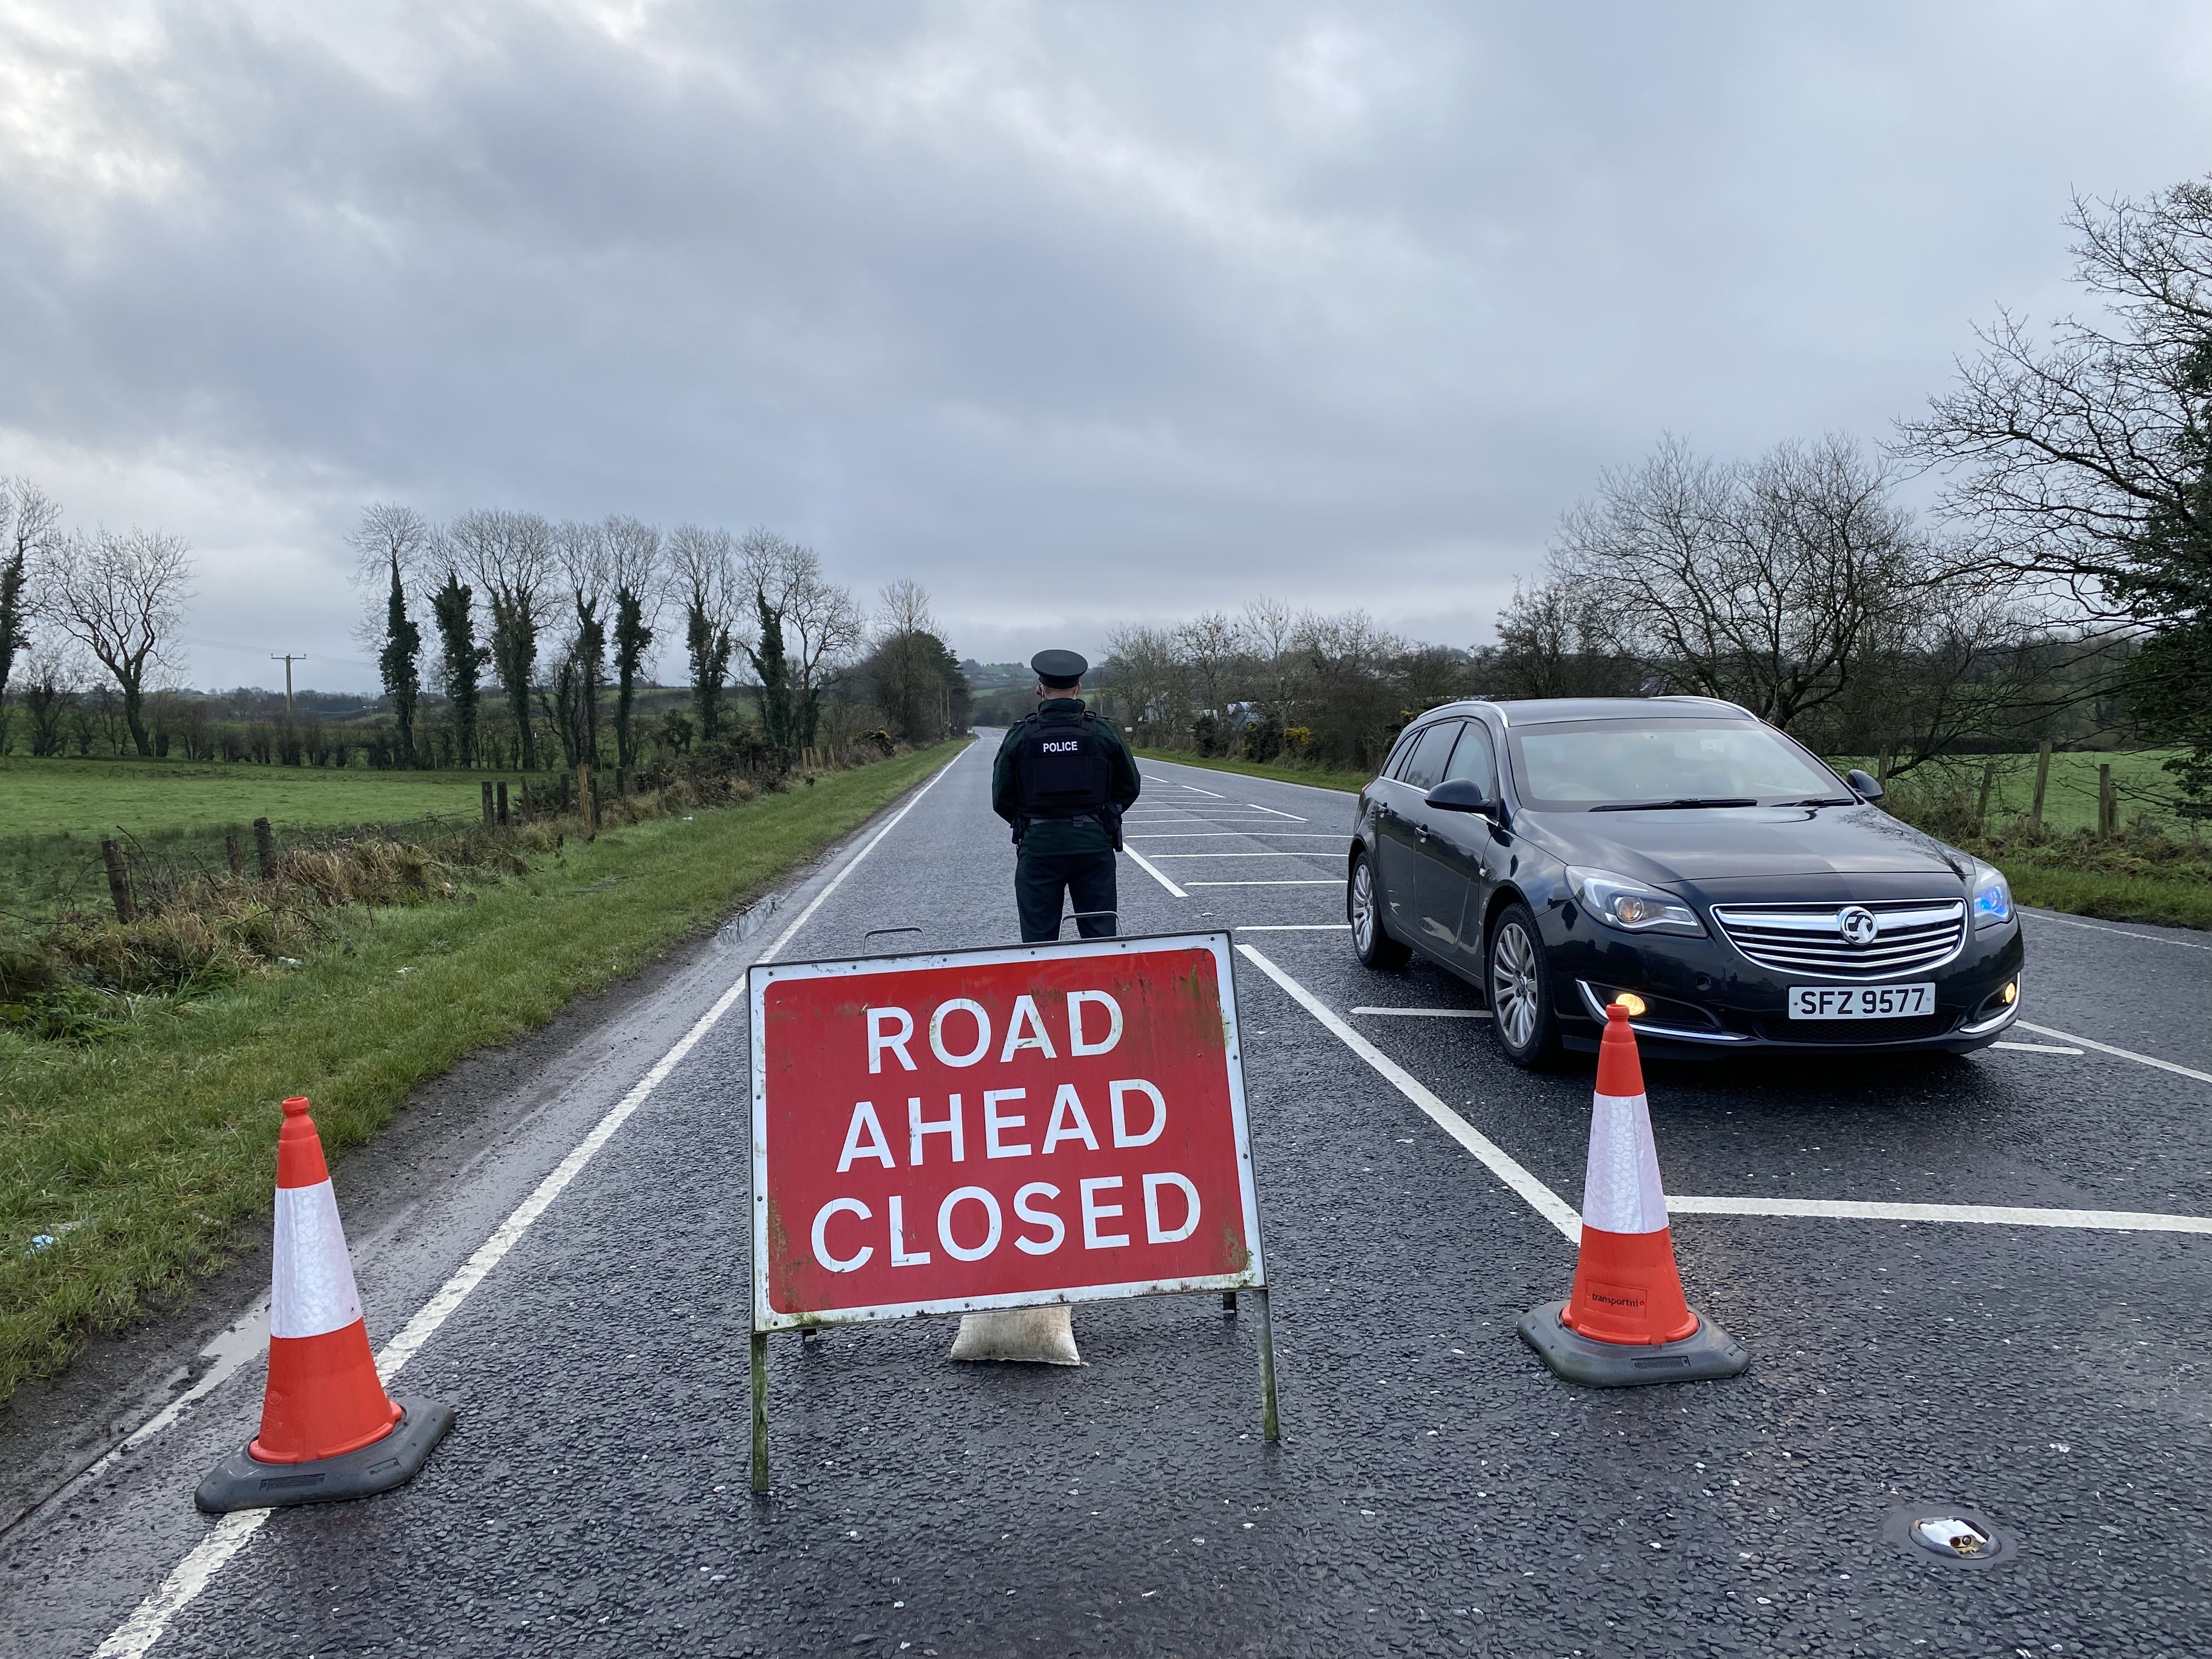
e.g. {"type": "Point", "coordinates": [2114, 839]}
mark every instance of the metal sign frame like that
{"type": "Point", "coordinates": [1253, 1278]}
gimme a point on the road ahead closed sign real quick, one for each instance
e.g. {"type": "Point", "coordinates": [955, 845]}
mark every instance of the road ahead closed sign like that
{"type": "Point", "coordinates": [997, 1129]}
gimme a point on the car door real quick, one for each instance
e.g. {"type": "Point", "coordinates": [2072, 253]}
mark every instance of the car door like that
{"type": "Point", "coordinates": [1403, 824]}
{"type": "Point", "coordinates": [1459, 856]}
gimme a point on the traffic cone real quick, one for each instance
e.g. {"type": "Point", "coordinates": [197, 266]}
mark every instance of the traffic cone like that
{"type": "Point", "coordinates": [1625, 1320]}
{"type": "Point", "coordinates": [328, 1429]}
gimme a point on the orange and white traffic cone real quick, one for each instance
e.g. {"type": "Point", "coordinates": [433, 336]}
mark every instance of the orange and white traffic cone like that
{"type": "Point", "coordinates": [328, 1429]}
{"type": "Point", "coordinates": [1625, 1320]}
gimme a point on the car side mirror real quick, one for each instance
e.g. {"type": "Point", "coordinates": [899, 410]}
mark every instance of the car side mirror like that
{"type": "Point", "coordinates": [1863, 785]}
{"type": "Point", "coordinates": [1458, 795]}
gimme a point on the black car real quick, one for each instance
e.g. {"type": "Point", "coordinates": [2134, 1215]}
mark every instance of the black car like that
{"type": "Point", "coordinates": [1679, 854]}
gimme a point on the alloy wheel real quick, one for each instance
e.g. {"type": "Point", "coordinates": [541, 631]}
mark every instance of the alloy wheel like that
{"type": "Point", "coordinates": [1362, 906]}
{"type": "Point", "coordinates": [1513, 990]}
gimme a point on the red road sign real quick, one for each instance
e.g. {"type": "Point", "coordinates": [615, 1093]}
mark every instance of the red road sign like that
{"type": "Point", "coordinates": [998, 1129]}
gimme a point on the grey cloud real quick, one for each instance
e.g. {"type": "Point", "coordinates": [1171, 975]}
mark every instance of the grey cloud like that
{"type": "Point", "coordinates": [1343, 303]}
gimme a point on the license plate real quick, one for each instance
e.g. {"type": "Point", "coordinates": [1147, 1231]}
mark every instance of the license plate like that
{"type": "Point", "coordinates": [1861, 1001]}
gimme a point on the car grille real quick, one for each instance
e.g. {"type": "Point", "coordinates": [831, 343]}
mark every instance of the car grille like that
{"type": "Point", "coordinates": [1911, 936]}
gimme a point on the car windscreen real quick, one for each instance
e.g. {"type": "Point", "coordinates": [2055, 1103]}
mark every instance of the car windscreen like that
{"type": "Point", "coordinates": [1575, 765]}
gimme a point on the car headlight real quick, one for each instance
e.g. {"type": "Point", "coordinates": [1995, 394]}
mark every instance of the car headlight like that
{"type": "Point", "coordinates": [1993, 905]}
{"type": "Point", "coordinates": [1631, 906]}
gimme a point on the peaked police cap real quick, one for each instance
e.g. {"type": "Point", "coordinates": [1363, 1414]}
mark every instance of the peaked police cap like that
{"type": "Point", "coordinates": [1058, 668]}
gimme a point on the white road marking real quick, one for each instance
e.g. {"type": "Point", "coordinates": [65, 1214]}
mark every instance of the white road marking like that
{"type": "Point", "coordinates": [1286, 783]}
{"type": "Point", "coordinates": [1286, 852]}
{"type": "Point", "coordinates": [2123, 1053]}
{"type": "Point", "coordinates": [1195, 790]}
{"type": "Point", "coordinates": [1548, 1204]}
{"type": "Point", "coordinates": [1541, 1198]}
{"type": "Point", "coordinates": [2000, 1215]}
{"type": "Point", "coordinates": [1291, 926]}
{"type": "Point", "coordinates": [1242, 835]}
{"type": "Point", "coordinates": [1292, 816]}
{"type": "Point", "coordinates": [1153, 871]}
{"type": "Point", "coordinates": [1329, 881]}
{"type": "Point", "coordinates": [2036, 1048]}
{"type": "Point", "coordinates": [151, 1619]}
{"type": "Point", "coordinates": [1427, 1014]}
{"type": "Point", "coordinates": [2124, 933]}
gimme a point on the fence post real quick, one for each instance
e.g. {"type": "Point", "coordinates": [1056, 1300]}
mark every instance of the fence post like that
{"type": "Point", "coordinates": [502, 800]}
{"type": "Point", "coordinates": [230, 852]}
{"type": "Point", "coordinates": [264, 848]}
{"type": "Point", "coordinates": [2042, 781]}
{"type": "Point", "coordinates": [487, 809]}
{"type": "Point", "coordinates": [2108, 801]}
{"type": "Point", "coordinates": [586, 809]}
{"type": "Point", "coordinates": [119, 880]}
{"type": "Point", "coordinates": [1988, 782]}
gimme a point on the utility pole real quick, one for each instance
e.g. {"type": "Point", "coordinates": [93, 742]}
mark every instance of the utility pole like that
{"type": "Point", "coordinates": [288, 659]}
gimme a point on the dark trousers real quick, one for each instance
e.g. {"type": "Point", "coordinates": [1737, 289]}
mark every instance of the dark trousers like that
{"type": "Point", "coordinates": [1039, 879]}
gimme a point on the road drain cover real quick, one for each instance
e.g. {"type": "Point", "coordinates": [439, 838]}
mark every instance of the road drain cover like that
{"type": "Point", "coordinates": [1947, 1533]}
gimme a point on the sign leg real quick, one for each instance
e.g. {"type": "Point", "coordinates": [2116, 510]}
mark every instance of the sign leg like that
{"type": "Point", "coordinates": [1271, 1427]}
{"type": "Point", "coordinates": [760, 1409]}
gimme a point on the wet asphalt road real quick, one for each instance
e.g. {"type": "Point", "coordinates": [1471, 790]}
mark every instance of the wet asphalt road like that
{"type": "Point", "coordinates": [1436, 1491]}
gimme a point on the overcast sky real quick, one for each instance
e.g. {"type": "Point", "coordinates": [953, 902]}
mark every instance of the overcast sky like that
{"type": "Point", "coordinates": [1077, 315]}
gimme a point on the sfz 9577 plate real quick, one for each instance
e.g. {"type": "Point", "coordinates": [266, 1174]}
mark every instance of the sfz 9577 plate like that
{"type": "Point", "coordinates": [1862, 1001]}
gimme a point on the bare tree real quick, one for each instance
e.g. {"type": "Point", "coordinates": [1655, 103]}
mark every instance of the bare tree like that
{"type": "Point", "coordinates": [510, 554]}
{"type": "Point", "coordinates": [389, 543]}
{"type": "Point", "coordinates": [701, 580]}
{"type": "Point", "coordinates": [633, 568]}
{"type": "Point", "coordinates": [121, 598]}
{"type": "Point", "coordinates": [911, 673]}
{"type": "Point", "coordinates": [572, 700]}
{"type": "Point", "coordinates": [1552, 643]}
{"type": "Point", "coordinates": [817, 623]}
{"type": "Point", "coordinates": [31, 522]}
{"type": "Point", "coordinates": [1753, 583]}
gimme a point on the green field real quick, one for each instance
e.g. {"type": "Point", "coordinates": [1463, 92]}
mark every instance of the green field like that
{"type": "Point", "coordinates": [2070, 801]}
{"type": "Point", "coordinates": [95, 798]}
{"type": "Point", "coordinates": [140, 1154]}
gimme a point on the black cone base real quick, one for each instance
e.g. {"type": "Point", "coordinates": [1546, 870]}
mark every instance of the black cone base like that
{"type": "Point", "coordinates": [1709, 1352]}
{"type": "Point", "coordinates": [242, 1482]}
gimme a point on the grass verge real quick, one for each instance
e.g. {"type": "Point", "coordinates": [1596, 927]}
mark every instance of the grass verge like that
{"type": "Point", "coordinates": [138, 1155]}
{"type": "Point", "coordinates": [1313, 777]}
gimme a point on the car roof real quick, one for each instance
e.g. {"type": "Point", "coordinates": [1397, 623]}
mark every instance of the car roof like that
{"type": "Point", "coordinates": [1538, 711]}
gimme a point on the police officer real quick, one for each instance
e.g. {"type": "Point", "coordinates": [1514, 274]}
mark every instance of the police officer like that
{"type": "Point", "coordinates": [1063, 779]}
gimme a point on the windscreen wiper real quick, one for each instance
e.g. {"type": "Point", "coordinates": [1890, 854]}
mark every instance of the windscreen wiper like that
{"type": "Point", "coordinates": [1822, 800]}
{"type": "Point", "coordinates": [1663, 805]}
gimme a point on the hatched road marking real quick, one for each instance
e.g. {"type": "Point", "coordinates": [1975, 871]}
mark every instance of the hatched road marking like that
{"type": "Point", "coordinates": [151, 1620]}
{"type": "Point", "coordinates": [2107, 1048]}
{"type": "Point", "coordinates": [1326, 881]}
{"type": "Point", "coordinates": [1153, 871]}
{"type": "Point", "coordinates": [1548, 1204]}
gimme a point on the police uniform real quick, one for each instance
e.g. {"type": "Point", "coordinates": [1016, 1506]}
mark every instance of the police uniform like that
{"type": "Point", "coordinates": [1062, 780]}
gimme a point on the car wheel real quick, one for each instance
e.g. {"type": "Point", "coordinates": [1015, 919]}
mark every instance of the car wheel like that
{"type": "Point", "coordinates": [1363, 908]}
{"type": "Point", "coordinates": [1520, 989]}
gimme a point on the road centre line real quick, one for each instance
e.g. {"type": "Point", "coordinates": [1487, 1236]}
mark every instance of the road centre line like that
{"type": "Point", "coordinates": [1153, 871]}
{"type": "Point", "coordinates": [1553, 1209]}
{"type": "Point", "coordinates": [2036, 1048]}
{"type": "Point", "coordinates": [2124, 933]}
{"type": "Point", "coordinates": [151, 1620]}
{"type": "Point", "coordinates": [2004, 1215]}
{"type": "Point", "coordinates": [2107, 1048]}
{"type": "Point", "coordinates": [1427, 1014]}
{"type": "Point", "coordinates": [1541, 1198]}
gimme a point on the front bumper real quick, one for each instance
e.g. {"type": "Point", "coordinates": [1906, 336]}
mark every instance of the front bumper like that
{"type": "Point", "coordinates": [1704, 998]}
